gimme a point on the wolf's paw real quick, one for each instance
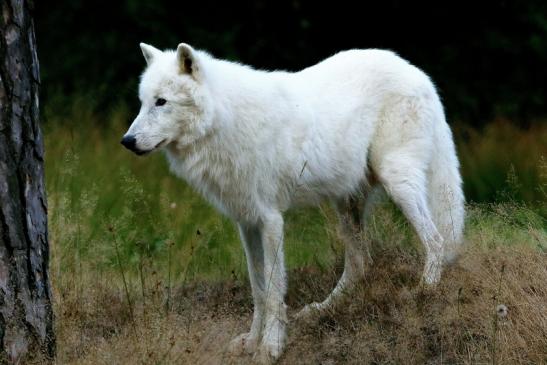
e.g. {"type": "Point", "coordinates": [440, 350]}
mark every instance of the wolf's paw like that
{"type": "Point", "coordinates": [431, 280]}
{"type": "Point", "coordinates": [432, 274]}
{"type": "Point", "coordinates": [272, 344]}
{"type": "Point", "coordinates": [309, 312]}
{"type": "Point", "coordinates": [268, 352]}
{"type": "Point", "coordinates": [244, 343]}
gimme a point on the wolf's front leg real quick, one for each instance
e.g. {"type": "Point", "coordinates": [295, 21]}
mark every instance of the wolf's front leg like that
{"type": "Point", "coordinates": [275, 286]}
{"type": "Point", "coordinates": [251, 237]}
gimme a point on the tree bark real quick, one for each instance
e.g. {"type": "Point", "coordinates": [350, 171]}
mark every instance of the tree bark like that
{"type": "Point", "coordinates": [26, 318]}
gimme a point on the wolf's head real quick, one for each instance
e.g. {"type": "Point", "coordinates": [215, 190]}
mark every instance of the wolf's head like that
{"type": "Point", "coordinates": [174, 100]}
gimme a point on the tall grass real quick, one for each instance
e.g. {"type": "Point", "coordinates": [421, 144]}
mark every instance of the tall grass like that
{"type": "Point", "coordinates": [505, 163]}
{"type": "Point", "coordinates": [136, 252]}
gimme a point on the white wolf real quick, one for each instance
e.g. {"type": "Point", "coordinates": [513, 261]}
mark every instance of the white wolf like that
{"type": "Point", "coordinates": [255, 143]}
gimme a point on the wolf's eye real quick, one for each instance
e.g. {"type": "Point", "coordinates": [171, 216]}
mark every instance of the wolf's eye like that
{"type": "Point", "coordinates": [160, 101]}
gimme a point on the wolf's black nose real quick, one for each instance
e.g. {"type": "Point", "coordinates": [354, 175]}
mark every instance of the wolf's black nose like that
{"type": "Point", "coordinates": [129, 142]}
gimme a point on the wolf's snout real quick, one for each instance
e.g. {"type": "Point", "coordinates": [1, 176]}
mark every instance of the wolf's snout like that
{"type": "Point", "coordinates": [129, 142]}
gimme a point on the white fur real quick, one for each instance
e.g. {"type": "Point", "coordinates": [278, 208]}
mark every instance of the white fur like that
{"type": "Point", "coordinates": [255, 143]}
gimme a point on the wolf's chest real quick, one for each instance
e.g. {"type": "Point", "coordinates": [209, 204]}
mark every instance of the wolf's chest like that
{"type": "Point", "coordinates": [218, 181]}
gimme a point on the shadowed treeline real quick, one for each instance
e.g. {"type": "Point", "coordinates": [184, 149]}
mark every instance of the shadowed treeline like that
{"type": "Point", "coordinates": [487, 57]}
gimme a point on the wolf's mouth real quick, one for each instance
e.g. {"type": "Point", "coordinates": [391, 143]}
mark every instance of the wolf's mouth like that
{"type": "Point", "coordinates": [145, 152]}
{"type": "Point", "coordinates": [161, 144]}
{"type": "Point", "coordinates": [142, 153]}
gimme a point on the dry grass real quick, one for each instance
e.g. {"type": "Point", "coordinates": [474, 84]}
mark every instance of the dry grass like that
{"type": "Point", "coordinates": [391, 319]}
{"type": "Point", "coordinates": [395, 320]}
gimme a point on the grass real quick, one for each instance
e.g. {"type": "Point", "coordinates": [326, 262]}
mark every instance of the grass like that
{"type": "Point", "coordinates": [145, 272]}
{"type": "Point", "coordinates": [503, 162]}
{"type": "Point", "coordinates": [390, 319]}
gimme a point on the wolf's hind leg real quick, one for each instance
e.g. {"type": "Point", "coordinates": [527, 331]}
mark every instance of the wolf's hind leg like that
{"type": "Point", "coordinates": [404, 179]}
{"type": "Point", "coordinates": [350, 228]}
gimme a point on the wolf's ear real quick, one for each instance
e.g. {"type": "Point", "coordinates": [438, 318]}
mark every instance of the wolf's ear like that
{"type": "Point", "coordinates": [149, 52]}
{"type": "Point", "coordinates": [188, 60]}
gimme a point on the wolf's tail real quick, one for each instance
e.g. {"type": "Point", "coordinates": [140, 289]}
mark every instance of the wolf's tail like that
{"type": "Point", "coordinates": [446, 199]}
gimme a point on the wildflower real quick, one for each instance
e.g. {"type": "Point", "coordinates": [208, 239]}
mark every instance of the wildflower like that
{"type": "Point", "coordinates": [173, 205]}
{"type": "Point", "coordinates": [501, 310]}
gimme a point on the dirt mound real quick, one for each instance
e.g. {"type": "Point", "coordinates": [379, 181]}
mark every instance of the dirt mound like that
{"type": "Point", "coordinates": [490, 307]}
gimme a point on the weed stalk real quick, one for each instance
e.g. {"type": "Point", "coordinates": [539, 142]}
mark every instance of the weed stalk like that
{"type": "Point", "coordinates": [168, 302]}
{"type": "Point", "coordinates": [495, 321]}
{"type": "Point", "coordinates": [120, 266]}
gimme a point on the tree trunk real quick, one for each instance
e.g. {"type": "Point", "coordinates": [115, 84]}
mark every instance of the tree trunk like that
{"type": "Point", "coordinates": [26, 318]}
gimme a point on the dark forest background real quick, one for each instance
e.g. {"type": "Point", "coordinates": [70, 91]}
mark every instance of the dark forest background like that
{"type": "Point", "coordinates": [488, 58]}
